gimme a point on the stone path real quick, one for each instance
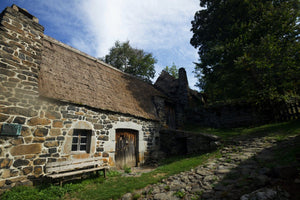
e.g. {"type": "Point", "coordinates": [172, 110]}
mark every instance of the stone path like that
{"type": "Point", "coordinates": [242, 172]}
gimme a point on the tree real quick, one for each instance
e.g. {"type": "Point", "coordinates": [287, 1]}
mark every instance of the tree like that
{"type": "Point", "coordinates": [173, 71]}
{"type": "Point", "coordinates": [131, 60]}
{"type": "Point", "coordinates": [249, 49]}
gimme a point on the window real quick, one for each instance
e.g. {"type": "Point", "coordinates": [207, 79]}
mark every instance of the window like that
{"type": "Point", "coordinates": [81, 140]}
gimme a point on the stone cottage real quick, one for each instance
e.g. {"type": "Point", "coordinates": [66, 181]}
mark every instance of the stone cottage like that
{"type": "Point", "coordinates": [59, 104]}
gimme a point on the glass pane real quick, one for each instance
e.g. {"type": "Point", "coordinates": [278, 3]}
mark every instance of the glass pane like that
{"type": "Point", "coordinates": [84, 133]}
{"type": "Point", "coordinates": [74, 147]}
{"type": "Point", "coordinates": [82, 147]}
{"type": "Point", "coordinates": [75, 140]}
{"type": "Point", "coordinates": [75, 133]}
{"type": "Point", "coordinates": [83, 140]}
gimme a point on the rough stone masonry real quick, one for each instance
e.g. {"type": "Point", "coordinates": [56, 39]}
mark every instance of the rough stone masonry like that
{"type": "Point", "coordinates": [60, 104]}
{"type": "Point", "coordinates": [47, 123]}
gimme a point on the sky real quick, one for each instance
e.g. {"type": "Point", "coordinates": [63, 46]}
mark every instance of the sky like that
{"type": "Point", "coordinates": [160, 27]}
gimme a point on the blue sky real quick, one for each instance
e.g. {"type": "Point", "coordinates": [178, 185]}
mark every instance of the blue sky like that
{"type": "Point", "coordinates": [160, 27]}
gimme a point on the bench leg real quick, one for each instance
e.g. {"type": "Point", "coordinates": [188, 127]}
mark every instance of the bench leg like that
{"type": "Point", "coordinates": [60, 182]}
{"type": "Point", "coordinates": [104, 173]}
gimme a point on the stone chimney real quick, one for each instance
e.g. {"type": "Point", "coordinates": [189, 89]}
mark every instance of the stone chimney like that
{"type": "Point", "coordinates": [21, 54]}
{"type": "Point", "coordinates": [20, 58]}
{"type": "Point", "coordinates": [182, 97]}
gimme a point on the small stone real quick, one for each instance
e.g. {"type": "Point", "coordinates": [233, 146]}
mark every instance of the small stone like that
{"type": "Point", "coordinates": [25, 131]}
{"type": "Point", "coordinates": [39, 161]}
{"type": "Point", "coordinates": [51, 144]}
{"type": "Point", "coordinates": [26, 149]}
{"type": "Point", "coordinates": [5, 173]}
{"type": "Point", "coordinates": [19, 120]}
{"type": "Point", "coordinates": [17, 141]}
{"type": "Point", "coordinates": [18, 111]}
{"type": "Point", "coordinates": [27, 170]}
{"type": "Point", "coordinates": [60, 138]}
{"type": "Point", "coordinates": [165, 196]}
{"type": "Point", "coordinates": [38, 121]}
{"type": "Point", "coordinates": [55, 132]}
{"type": "Point", "coordinates": [20, 162]}
{"type": "Point", "coordinates": [103, 137]}
{"type": "Point", "coordinates": [127, 196]}
{"type": "Point", "coordinates": [41, 132]}
{"type": "Point", "coordinates": [5, 163]}
{"type": "Point", "coordinates": [53, 115]}
{"type": "Point", "coordinates": [98, 126]}
{"type": "Point", "coordinates": [100, 149]}
{"type": "Point", "coordinates": [57, 124]}
{"type": "Point", "coordinates": [38, 140]}
{"type": "Point", "coordinates": [105, 154]}
{"type": "Point", "coordinates": [202, 172]}
{"type": "Point", "coordinates": [2, 183]}
{"type": "Point", "coordinates": [52, 150]}
{"type": "Point", "coordinates": [196, 189]}
{"type": "Point", "coordinates": [14, 173]}
{"type": "Point", "coordinates": [3, 118]}
{"type": "Point", "coordinates": [175, 187]}
{"type": "Point", "coordinates": [38, 170]}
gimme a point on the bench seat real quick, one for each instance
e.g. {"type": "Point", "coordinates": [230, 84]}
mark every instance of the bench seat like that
{"type": "Point", "coordinates": [55, 170]}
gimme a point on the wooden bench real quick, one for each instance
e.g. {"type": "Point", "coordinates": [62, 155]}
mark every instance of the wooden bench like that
{"type": "Point", "coordinates": [61, 170]}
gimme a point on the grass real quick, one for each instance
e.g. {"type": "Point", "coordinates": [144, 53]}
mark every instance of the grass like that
{"type": "Point", "coordinates": [113, 187]}
{"type": "Point", "coordinates": [278, 131]}
{"type": "Point", "coordinates": [116, 185]}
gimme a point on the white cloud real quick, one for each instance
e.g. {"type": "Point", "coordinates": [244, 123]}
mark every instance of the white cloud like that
{"type": "Point", "coordinates": [148, 23]}
{"type": "Point", "coordinates": [161, 27]}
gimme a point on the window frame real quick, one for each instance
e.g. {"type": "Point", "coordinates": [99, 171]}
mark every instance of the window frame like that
{"type": "Point", "coordinates": [80, 134]}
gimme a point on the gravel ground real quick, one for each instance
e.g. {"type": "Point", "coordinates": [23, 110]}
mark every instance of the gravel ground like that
{"type": "Point", "coordinates": [242, 172]}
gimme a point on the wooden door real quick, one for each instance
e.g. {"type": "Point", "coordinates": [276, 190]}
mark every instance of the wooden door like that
{"type": "Point", "coordinates": [126, 148]}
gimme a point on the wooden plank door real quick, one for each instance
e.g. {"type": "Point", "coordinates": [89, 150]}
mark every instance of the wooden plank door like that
{"type": "Point", "coordinates": [126, 148]}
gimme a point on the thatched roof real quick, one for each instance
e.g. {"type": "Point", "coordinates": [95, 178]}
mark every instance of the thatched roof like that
{"type": "Point", "coordinates": [69, 75]}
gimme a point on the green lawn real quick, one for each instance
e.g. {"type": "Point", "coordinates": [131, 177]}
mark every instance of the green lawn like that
{"type": "Point", "coordinates": [276, 130]}
{"type": "Point", "coordinates": [116, 185]}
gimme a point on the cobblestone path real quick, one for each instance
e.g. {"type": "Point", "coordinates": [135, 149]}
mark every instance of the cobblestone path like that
{"type": "Point", "coordinates": [244, 171]}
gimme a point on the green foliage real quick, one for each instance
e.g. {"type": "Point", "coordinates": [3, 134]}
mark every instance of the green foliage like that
{"type": "Point", "coordinates": [136, 196]}
{"type": "Point", "coordinates": [113, 173]}
{"type": "Point", "coordinates": [131, 60]}
{"type": "Point", "coordinates": [173, 70]}
{"type": "Point", "coordinates": [248, 49]}
{"type": "Point", "coordinates": [179, 194]}
{"type": "Point", "coordinates": [44, 192]}
{"type": "Point", "coordinates": [127, 169]}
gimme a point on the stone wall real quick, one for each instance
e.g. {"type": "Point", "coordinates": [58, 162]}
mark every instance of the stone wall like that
{"type": "Point", "coordinates": [178, 91]}
{"type": "Point", "coordinates": [223, 116]}
{"type": "Point", "coordinates": [46, 125]}
{"type": "Point", "coordinates": [46, 136]}
{"type": "Point", "coordinates": [175, 142]}
{"type": "Point", "coordinates": [244, 113]}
